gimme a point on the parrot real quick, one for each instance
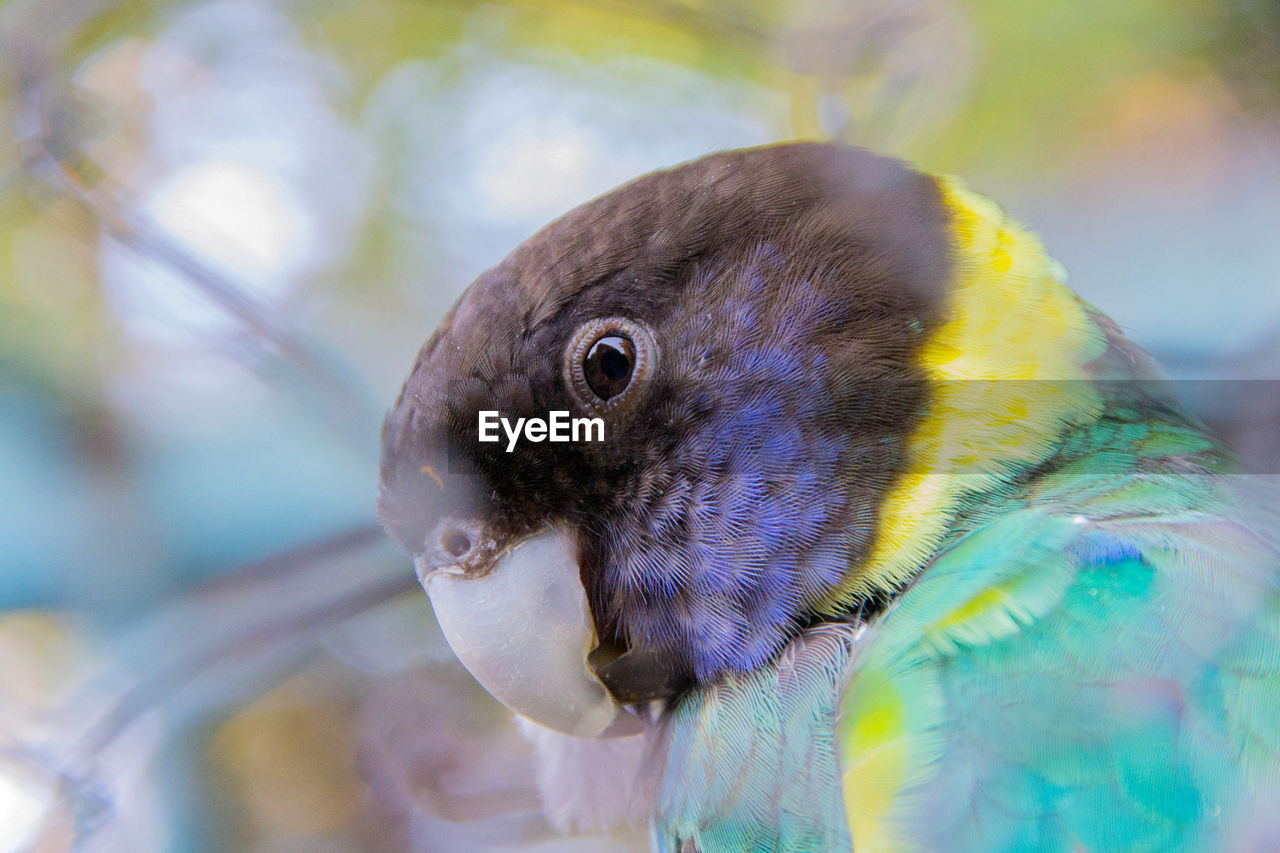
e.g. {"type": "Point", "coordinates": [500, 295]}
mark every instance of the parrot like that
{"type": "Point", "coordinates": [878, 537]}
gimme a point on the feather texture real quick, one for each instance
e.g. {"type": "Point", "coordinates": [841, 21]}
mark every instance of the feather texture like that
{"type": "Point", "coordinates": [1085, 651]}
{"type": "Point", "coordinates": [930, 560]}
{"type": "Point", "coordinates": [751, 762]}
{"type": "Point", "coordinates": [1096, 666]}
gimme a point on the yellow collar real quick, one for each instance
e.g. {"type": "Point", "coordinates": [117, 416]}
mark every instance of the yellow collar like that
{"type": "Point", "coordinates": [1013, 331]}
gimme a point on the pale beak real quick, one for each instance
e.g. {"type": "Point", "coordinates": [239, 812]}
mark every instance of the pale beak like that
{"type": "Point", "coordinates": [524, 630]}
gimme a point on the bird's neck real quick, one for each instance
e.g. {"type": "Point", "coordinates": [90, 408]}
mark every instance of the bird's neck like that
{"type": "Point", "coordinates": [1009, 373]}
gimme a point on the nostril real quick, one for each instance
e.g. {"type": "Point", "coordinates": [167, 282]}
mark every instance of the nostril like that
{"type": "Point", "coordinates": [455, 542]}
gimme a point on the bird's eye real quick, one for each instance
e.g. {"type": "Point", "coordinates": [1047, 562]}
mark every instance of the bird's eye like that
{"type": "Point", "coordinates": [607, 362]}
{"type": "Point", "coordinates": [608, 365]}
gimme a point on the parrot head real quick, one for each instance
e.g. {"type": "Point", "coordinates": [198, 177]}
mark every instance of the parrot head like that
{"type": "Point", "coordinates": [746, 329]}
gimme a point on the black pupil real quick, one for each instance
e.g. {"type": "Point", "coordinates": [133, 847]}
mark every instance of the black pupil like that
{"type": "Point", "coordinates": [609, 364]}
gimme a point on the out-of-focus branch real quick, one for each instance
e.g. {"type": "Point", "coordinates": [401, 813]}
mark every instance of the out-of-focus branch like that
{"type": "Point", "coordinates": [265, 615]}
{"type": "Point", "coordinates": [51, 136]}
{"type": "Point", "coordinates": [210, 649]}
{"type": "Point", "coordinates": [52, 154]}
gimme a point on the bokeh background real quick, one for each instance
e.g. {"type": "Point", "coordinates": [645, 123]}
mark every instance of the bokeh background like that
{"type": "Point", "coordinates": [226, 226]}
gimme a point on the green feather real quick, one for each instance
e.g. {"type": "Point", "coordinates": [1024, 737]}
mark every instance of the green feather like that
{"type": "Point", "coordinates": [1090, 662]}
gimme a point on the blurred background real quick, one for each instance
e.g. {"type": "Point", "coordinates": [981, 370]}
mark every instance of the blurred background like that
{"type": "Point", "coordinates": [227, 226]}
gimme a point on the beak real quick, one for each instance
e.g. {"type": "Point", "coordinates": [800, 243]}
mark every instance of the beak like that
{"type": "Point", "coordinates": [524, 630]}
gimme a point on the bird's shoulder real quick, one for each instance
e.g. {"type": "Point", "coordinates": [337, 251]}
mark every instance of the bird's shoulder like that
{"type": "Point", "coordinates": [1093, 665]}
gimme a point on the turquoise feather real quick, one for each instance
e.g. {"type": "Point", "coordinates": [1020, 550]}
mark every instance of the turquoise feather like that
{"type": "Point", "coordinates": [780, 720]}
{"type": "Point", "coordinates": [1116, 688]}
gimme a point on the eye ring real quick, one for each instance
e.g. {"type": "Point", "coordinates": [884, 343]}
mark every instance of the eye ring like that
{"type": "Point", "coordinates": [622, 390]}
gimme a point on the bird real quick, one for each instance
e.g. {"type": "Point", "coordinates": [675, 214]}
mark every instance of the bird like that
{"type": "Point", "coordinates": [889, 541]}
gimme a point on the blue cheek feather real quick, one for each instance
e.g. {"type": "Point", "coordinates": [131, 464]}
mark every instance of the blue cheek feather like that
{"type": "Point", "coordinates": [742, 542]}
